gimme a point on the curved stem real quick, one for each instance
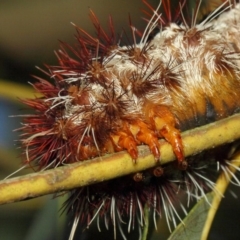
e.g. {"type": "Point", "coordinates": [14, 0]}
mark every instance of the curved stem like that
{"type": "Point", "coordinates": [146, 222]}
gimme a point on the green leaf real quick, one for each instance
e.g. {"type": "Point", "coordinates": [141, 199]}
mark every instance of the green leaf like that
{"type": "Point", "coordinates": [193, 224]}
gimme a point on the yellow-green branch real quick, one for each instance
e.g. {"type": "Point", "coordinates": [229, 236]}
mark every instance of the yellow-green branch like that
{"type": "Point", "coordinates": [115, 165]}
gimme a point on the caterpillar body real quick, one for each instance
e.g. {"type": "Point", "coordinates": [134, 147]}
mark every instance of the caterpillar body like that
{"type": "Point", "coordinates": [109, 98]}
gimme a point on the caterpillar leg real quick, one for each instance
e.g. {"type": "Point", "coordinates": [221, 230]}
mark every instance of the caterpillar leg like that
{"type": "Point", "coordinates": [161, 125]}
{"type": "Point", "coordinates": [164, 122]}
{"type": "Point", "coordinates": [134, 133]}
{"type": "Point", "coordinates": [124, 140]}
{"type": "Point", "coordinates": [147, 136]}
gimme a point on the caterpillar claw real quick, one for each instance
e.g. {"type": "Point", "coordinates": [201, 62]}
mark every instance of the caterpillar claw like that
{"type": "Point", "coordinates": [125, 141]}
{"type": "Point", "coordinates": [164, 122]}
{"type": "Point", "coordinates": [147, 136]}
{"type": "Point", "coordinates": [172, 135]}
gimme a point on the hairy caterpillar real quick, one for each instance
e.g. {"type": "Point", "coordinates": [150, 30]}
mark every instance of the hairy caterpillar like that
{"type": "Point", "coordinates": [108, 97]}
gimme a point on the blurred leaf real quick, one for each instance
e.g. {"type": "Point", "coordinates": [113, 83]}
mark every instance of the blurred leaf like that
{"type": "Point", "coordinates": [48, 223]}
{"type": "Point", "coordinates": [14, 91]}
{"type": "Point", "coordinates": [192, 226]}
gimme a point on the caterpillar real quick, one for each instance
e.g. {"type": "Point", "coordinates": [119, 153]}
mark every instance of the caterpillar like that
{"type": "Point", "coordinates": [108, 97]}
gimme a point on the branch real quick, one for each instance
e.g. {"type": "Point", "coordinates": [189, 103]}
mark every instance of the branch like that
{"type": "Point", "coordinates": [115, 165]}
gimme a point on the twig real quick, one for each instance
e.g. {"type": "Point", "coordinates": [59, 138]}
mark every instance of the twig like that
{"type": "Point", "coordinates": [115, 165]}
